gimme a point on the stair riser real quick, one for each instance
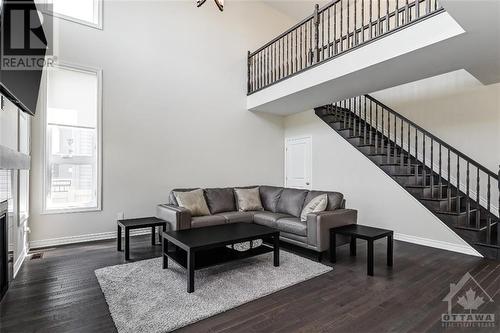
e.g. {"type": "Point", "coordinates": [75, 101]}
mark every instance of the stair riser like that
{"type": "Point", "coordinates": [411, 180]}
{"type": "Point", "coordinates": [398, 169]}
{"type": "Point", "coordinates": [379, 159]}
{"type": "Point", "coordinates": [441, 205]}
{"type": "Point", "coordinates": [425, 192]}
{"type": "Point", "coordinates": [371, 150]}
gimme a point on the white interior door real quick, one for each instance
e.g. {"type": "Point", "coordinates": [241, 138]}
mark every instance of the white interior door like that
{"type": "Point", "coordinates": [298, 162]}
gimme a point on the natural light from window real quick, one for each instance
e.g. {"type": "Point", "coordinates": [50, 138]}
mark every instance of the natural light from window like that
{"type": "Point", "coordinates": [83, 11]}
{"type": "Point", "coordinates": [71, 161]}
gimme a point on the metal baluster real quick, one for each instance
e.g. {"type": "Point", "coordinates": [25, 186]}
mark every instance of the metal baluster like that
{"type": "Point", "coordinates": [371, 121]}
{"type": "Point", "coordinates": [341, 26]}
{"type": "Point", "coordinates": [335, 29]}
{"type": "Point", "coordinates": [467, 181]}
{"type": "Point", "coordinates": [428, 6]}
{"type": "Point", "coordinates": [417, 9]}
{"type": "Point", "coordinates": [300, 51]}
{"type": "Point", "coordinates": [457, 199]}
{"type": "Point", "coordinates": [448, 192]}
{"type": "Point", "coordinates": [382, 136]}
{"type": "Point", "coordinates": [416, 156]}
{"type": "Point", "coordinates": [371, 19]}
{"type": "Point", "coordinates": [478, 200]}
{"type": "Point", "coordinates": [366, 121]}
{"type": "Point", "coordinates": [387, 20]}
{"type": "Point", "coordinates": [395, 156]}
{"type": "Point", "coordinates": [345, 114]}
{"type": "Point", "coordinates": [488, 205]}
{"type": "Point", "coordinates": [322, 35]}
{"type": "Point", "coordinates": [355, 23]}
{"type": "Point", "coordinates": [408, 149]}
{"type": "Point", "coordinates": [388, 137]}
{"type": "Point", "coordinates": [407, 12]}
{"type": "Point", "coordinates": [329, 46]}
{"type": "Point", "coordinates": [401, 141]}
{"type": "Point", "coordinates": [424, 173]}
{"type": "Point", "coordinates": [432, 165]}
{"type": "Point", "coordinates": [296, 49]}
{"type": "Point", "coordinates": [376, 128]}
{"type": "Point", "coordinates": [440, 174]}
{"type": "Point", "coordinates": [362, 21]}
{"type": "Point", "coordinates": [397, 14]}
{"type": "Point", "coordinates": [348, 27]}
{"type": "Point", "coordinates": [378, 19]}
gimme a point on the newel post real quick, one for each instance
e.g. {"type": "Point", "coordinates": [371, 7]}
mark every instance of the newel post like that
{"type": "Point", "coordinates": [316, 33]}
{"type": "Point", "coordinates": [249, 87]}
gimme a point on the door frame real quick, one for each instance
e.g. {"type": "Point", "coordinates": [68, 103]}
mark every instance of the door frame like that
{"type": "Point", "coordinates": [290, 138]}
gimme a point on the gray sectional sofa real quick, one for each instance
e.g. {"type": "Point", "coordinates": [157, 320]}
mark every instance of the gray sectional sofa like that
{"type": "Point", "coordinates": [282, 209]}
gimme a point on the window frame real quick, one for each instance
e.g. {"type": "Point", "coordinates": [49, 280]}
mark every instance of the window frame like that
{"type": "Point", "coordinates": [86, 70]}
{"type": "Point", "coordinates": [98, 25]}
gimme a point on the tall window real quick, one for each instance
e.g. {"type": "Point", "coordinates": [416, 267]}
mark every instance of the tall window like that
{"type": "Point", "coordinates": [72, 140]}
{"type": "Point", "coordinates": [87, 12]}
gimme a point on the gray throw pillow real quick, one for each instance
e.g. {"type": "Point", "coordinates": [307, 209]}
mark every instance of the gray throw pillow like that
{"type": "Point", "coordinates": [248, 199]}
{"type": "Point", "coordinates": [194, 201]}
{"type": "Point", "coordinates": [318, 204]}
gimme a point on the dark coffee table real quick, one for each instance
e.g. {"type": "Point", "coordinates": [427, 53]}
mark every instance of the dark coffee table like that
{"type": "Point", "coordinates": [370, 234]}
{"type": "Point", "coordinates": [138, 223]}
{"type": "Point", "coordinates": [198, 248]}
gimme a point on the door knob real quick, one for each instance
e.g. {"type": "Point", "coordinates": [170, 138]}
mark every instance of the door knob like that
{"type": "Point", "coordinates": [307, 184]}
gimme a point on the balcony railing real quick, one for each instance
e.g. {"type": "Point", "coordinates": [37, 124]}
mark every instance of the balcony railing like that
{"type": "Point", "coordinates": [330, 31]}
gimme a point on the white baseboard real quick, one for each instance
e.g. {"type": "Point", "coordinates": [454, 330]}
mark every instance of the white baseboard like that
{"type": "Point", "coordinates": [35, 244]}
{"type": "Point", "coordinates": [465, 249]}
{"type": "Point", "coordinates": [19, 262]}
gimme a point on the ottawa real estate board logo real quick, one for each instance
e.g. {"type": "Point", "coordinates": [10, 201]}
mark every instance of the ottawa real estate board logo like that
{"type": "Point", "coordinates": [466, 301]}
{"type": "Point", "coordinates": [24, 35]}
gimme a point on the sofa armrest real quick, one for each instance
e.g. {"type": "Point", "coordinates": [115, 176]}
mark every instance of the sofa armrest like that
{"type": "Point", "coordinates": [177, 217]}
{"type": "Point", "coordinates": [319, 225]}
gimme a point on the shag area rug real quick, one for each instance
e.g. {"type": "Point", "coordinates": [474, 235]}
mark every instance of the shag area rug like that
{"type": "Point", "coordinates": [143, 297]}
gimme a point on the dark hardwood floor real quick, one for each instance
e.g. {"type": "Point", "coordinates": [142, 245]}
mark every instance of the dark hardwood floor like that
{"type": "Point", "coordinates": [60, 293]}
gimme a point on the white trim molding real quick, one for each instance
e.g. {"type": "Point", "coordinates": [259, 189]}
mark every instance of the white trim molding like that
{"type": "Point", "coordinates": [42, 243]}
{"type": "Point", "coordinates": [19, 262]}
{"type": "Point", "coordinates": [465, 249]}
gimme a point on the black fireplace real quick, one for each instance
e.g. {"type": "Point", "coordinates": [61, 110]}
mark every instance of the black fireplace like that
{"type": "Point", "coordinates": [5, 257]}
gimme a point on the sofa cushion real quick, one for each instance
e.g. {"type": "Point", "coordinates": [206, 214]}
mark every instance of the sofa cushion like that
{"type": "Point", "coordinates": [248, 199]}
{"type": "Point", "coordinates": [220, 200]}
{"type": "Point", "coordinates": [317, 204]}
{"type": "Point", "coordinates": [194, 201]}
{"type": "Point", "coordinates": [334, 199]}
{"type": "Point", "coordinates": [268, 218]}
{"type": "Point", "coordinates": [270, 196]}
{"type": "Point", "coordinates": [292, 225]}
{"type": "Point", "coordinates": [234, 217]}
{"type": "Point", "coordinates": [291, 201]}
{"type": "Point", "coordinates": [206, 221]}
{"type": "Point", "coordinates": [171, 198]}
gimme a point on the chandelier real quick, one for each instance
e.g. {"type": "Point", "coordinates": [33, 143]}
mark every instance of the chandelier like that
{"type": "Point", "coordinates": [219, 3]}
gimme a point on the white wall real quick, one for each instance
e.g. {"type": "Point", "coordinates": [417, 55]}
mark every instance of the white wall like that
{"type": "Point", "coordinates": [455, 107]}
{"type": "Point", "coordinates": [380, 201]}
{"type": "Point", "coordinates": [174, 107]}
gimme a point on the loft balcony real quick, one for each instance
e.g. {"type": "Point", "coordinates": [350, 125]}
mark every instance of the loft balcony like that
{"type": "Point", "coordinates": [352, 47]}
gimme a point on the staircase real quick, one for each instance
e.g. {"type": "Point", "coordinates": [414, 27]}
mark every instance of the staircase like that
{"type": "Point", "coordinates": [459, 191]}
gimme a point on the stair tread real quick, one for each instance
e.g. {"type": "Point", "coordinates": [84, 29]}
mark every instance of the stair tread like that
{"type": "Point", "coordinates": [453, 213]}
{"type": "Point", "coordinates": [472, 227]}
{"type": "Point", "coordinates": [438, 199]}
{"type": "Point", "coordinates": [424, 186]}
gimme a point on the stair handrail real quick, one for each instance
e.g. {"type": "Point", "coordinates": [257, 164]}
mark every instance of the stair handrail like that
{"type": "Point", "coordinates": [262, 68]}
{"type": "Point", "coordinates": [435, 138]}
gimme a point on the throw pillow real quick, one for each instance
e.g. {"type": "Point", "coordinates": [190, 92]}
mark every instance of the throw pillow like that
{"type": "Point", "coordinates": [317, 204]}
{"type": "Point", "coordinates": [248, 199]}
{"type": "Point", "coordinates": [194, 201]}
